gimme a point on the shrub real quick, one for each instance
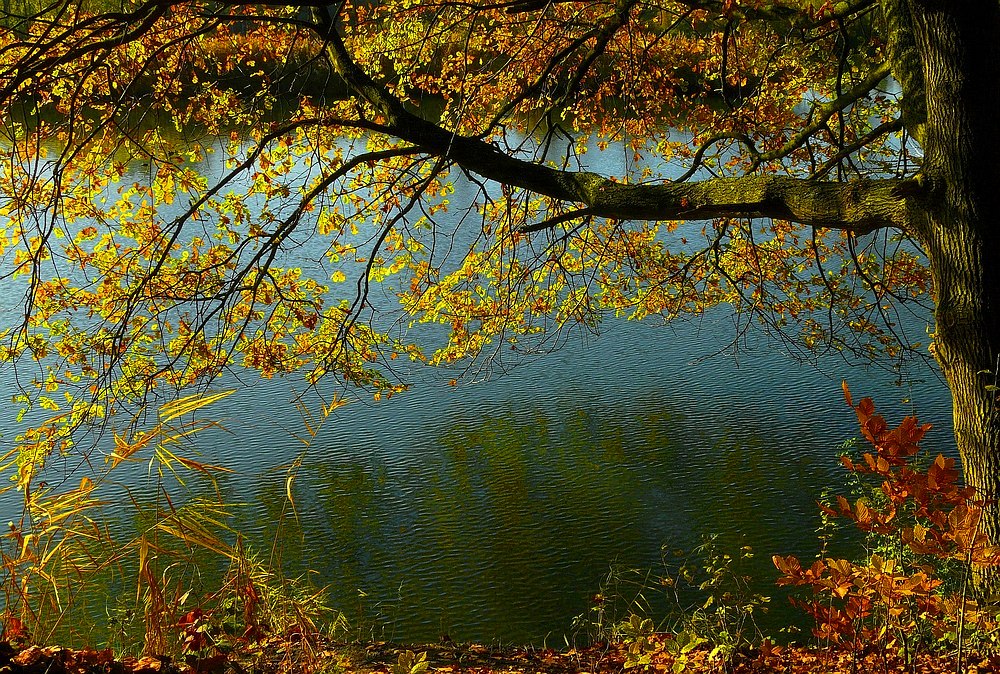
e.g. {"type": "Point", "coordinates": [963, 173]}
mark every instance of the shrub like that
{"type": "Point", "coordinates": [924, 544]}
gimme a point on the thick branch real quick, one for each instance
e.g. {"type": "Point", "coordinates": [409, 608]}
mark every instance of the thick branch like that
{"type": "Point", "coordinates": [906, 66]}
{"type": "Point", "coordinates": [860, 206]}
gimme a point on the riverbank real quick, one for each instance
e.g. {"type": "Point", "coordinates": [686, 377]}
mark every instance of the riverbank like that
{"type": "Point", "coordinates": [383, 658]}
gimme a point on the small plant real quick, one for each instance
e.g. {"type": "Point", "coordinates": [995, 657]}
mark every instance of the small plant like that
{"type": "Point", "coordinates": [638, 636]}
{"type": "Point", "coordinates": [714, 602]}
{"type": "Point", "coordinates": [124, 629]}
{"type": "Point", "coordinates": [682, 644]}
{"type": "Point", "coordinates": [705, 597]}
{"type": "Point", "coordinates": [409, 662]}
{"type": "Point", "coordinates": [621, 596]}
{"type": "Point", "coordinates": [256, 617]}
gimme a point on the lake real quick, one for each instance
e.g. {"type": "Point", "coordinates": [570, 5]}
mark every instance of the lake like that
{"type": "Point", "coordinates": [493, 510]}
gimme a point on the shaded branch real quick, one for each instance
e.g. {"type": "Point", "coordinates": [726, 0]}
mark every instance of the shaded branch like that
{"type": "Point", "coordinates": [40, 60]}
{"type": "Point", "coordinates": [557, 220]}
{"type": "Point", "coordinates": [846, 151]}
{"type": "Point", "coordinates": [906, 65]}
{"type": "Point", "coordinates": [699, 156]}
{"type": "Point", "coordinates": [859, 207]}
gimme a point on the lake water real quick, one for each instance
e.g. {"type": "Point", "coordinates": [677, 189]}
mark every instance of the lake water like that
{"type": "Point", "coordinates": [492, 511]}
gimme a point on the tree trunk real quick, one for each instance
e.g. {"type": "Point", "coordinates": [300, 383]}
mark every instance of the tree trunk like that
{"type": "Point", "coordinates": [961, 173]}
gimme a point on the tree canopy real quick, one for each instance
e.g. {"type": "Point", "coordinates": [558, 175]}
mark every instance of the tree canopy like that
{"type": "Point", "coordinates": [336, 190]}
{"type": "Point", "coordinates": [192, 186]}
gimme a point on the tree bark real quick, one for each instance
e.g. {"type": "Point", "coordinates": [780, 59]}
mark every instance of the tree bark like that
{"type": "Point", "coordinates": [961, 72]}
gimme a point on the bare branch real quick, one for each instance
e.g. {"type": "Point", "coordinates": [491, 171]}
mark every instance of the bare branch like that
{"type": "Point", "coordinates": [557, 220]}
{"type": "Point", "coordinates": [851, 148]}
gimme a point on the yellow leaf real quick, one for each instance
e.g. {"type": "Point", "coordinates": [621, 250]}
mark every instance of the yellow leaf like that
{"type": "Point", "coordinates": [190, 403]}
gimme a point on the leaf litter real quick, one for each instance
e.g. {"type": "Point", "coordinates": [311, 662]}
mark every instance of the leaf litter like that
{"type": "Point", "coordinates": [385, 658]}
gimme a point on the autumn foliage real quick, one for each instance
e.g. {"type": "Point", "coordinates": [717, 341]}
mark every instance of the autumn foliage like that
{"type": "Point", "coordinates": [913, 590]}
{"type": "Point", "coordinates": [250, 224]}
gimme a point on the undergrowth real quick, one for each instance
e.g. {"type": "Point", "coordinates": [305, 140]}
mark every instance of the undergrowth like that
{"type": "Point", "coordinates": [911, 593]}
{"type": "Point", "coordinates": [176, 578]}
{"type": "Point", "coordinates": [704, 599]}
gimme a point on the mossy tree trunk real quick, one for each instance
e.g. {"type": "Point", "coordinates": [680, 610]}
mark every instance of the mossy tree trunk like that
{"type": "Point", "coordinates": [961, 173]}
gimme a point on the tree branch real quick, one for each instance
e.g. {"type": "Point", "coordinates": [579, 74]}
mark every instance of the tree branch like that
{"type": "Point", "coordinates": [846, 151]}
{"type": "Point", "coordinates": [859, 207]}
{"type": "Point", "coordinates": [557, 220]}
{"type": "Point", "coordinates": [906, 64]}
{"type": "Point", "coordinates": [823, 114]}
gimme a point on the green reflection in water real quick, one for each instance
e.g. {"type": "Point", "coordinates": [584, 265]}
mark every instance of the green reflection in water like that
{"type": "Point", "coordinates": [500, 526]}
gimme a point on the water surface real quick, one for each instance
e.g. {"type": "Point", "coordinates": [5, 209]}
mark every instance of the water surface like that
{"type": "Point", "coordinates": [492, 511]}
